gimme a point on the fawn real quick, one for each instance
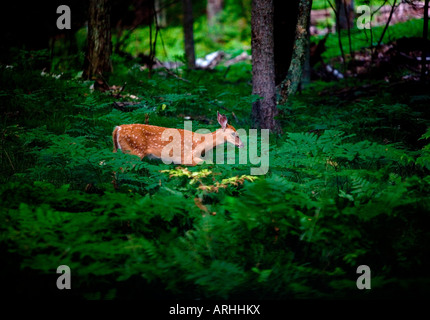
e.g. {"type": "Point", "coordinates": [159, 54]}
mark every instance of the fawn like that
{"type": "Point", "coordinates": [155, 142]}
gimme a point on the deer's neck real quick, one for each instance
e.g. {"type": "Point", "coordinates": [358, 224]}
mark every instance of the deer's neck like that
{"type": "Point", "coordinates": [210, 141]}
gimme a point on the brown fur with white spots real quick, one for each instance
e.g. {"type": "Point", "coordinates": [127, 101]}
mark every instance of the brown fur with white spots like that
{"type": "Point", "coordinates": [145, 140]}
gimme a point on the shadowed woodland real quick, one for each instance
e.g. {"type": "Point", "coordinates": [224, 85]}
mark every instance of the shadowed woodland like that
{"type": "Point", "coordinates": [342, 85]}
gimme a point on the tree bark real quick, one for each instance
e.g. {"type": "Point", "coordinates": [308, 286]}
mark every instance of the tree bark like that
{"type": "Point", "coordinates": [425, 36]}
{"type": "Point", "coordinates": [99, 44]}
{"type": "Point", "coordinates": [345, 10]}
{"type": "Point", "coordinates": [160, 11]}
{"type": "Point", "coordinates": [307, 68]}
{"type": "Point", "coordinates": [289, 86]}
{"type": "Point", "coordinates": [263, 66]}
{"type": "Point", "coordinates": [213, 8]}
{"type": "Point", "coordinates": [188, 23]}
{"type": "Point", "coordinates": [285, 21]}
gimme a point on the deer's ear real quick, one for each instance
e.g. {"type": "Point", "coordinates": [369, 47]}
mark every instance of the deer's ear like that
{"type": "Point", "coordinates": [222, 120]}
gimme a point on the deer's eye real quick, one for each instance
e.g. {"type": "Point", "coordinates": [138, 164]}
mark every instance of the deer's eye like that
{"type": "Point", "coordinates": [234, 134]}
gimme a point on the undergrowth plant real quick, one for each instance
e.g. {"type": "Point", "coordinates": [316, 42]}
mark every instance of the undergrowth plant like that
{"type": "Point", "coordinates": [347, 185]}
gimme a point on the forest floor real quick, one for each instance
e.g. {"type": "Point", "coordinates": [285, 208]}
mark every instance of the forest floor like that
{"type": "Point", "coordinates": [347, 185]}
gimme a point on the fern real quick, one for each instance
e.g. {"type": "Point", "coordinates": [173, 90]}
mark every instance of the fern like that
{"type": "Point", "coordinates": [424, 158]}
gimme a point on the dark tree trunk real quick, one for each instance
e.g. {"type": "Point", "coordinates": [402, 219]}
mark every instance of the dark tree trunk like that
{"type": "Point", "coordinates": [345, 10]}
{"type": "Point", "coordinates": [99, 44]}
{"type": "Point", "coordinates": [213, 8]}
{"type": "Point", "coordinates": [263, 66]}
{"type": "Point", "coordinates": [425, 36]}
{"type": "Point", "coordinates": [290, 84]}
{"type": "Point", "coordinates": [161, 13]}
{"type": "Point", "coordinates": [188, 22]}
{"type": "Point", "coordinates": [285, 20]}
{"type": "Point", "coordinates": [307, 69]}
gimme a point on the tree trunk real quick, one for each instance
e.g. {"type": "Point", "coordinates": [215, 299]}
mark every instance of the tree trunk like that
{"type": "Point", "coordinates": [345, 10]}
{"type": "Point", "coordinates": [189, 33]}
{"type": "Point", "coordinates": [289, 86]}
{"type": "Point", "coordinates": [285, 21]}
{"type": "Point", "coordinates": [99, 45]}
{"type": "Point", "coordinates": [160, 11]}
{"type": "Point", "coordinates": [307, 69]}
{"type": "Point", "coordinates": [213, 8]}
{"type": "Point", "coordinates": [263, 66]}
{"type": "Point", "coordinates": [425, 45]}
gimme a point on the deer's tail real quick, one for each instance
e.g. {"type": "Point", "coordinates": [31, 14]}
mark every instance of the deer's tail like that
{"type": "Point", "coordinates": [116, 145]}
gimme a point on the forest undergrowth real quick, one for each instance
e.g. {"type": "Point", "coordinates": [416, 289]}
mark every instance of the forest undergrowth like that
{"type": "Point", "coordinates": [347, 185]}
